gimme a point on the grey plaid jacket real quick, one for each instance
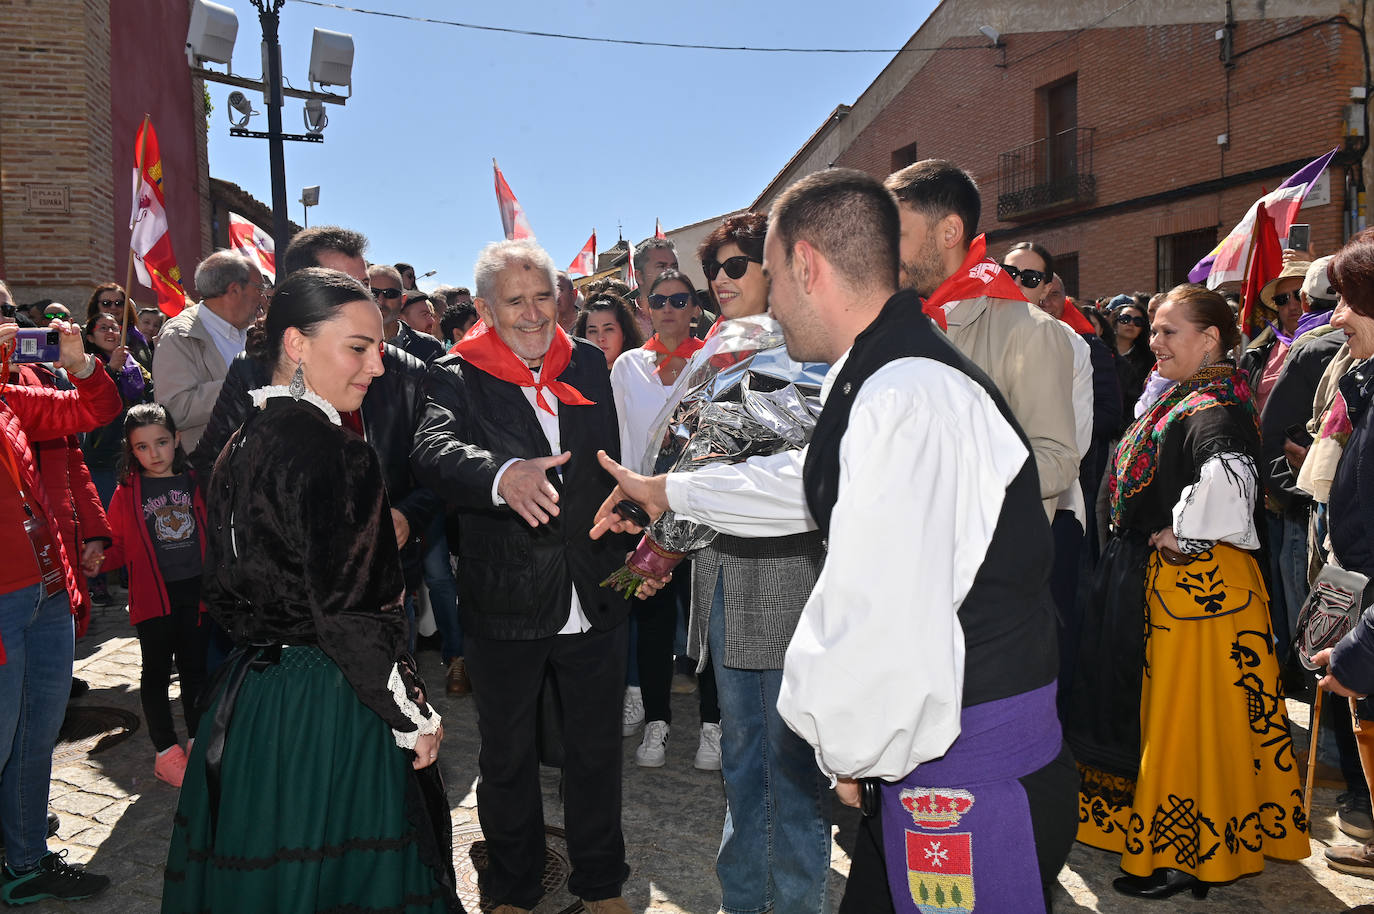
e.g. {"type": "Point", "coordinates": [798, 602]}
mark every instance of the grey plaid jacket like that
{"type": "Point", "coordinates": [767, 582]}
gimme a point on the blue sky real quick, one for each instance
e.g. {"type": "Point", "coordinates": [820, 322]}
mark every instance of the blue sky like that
{"type": "Point", "coordinates": [588, 135]}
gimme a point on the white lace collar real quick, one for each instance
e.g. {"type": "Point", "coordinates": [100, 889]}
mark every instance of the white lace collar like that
{"type": "Point", "coordinates": [263, 394]}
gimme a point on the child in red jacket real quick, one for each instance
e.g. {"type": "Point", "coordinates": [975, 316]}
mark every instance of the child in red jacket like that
{"type": "Point", "coordinates": [158, 521]}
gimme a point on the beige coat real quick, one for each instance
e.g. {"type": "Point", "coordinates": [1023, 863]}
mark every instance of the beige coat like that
{"type": "Point", "coordinates": [1026, 354]}
{"type": "Point", "coordinates": [188, 372]}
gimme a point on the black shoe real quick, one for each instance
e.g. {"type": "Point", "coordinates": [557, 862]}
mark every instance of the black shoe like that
{"type": "Point", "coordinates": [79, 687]}
{"type": "Point", "coordinates": [54, 878]}
{"type": "Point", "coordinates": [1162, 884]}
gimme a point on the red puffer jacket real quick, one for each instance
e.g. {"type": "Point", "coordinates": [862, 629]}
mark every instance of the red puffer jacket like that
{"type": "Point", "coordinates": [44, 414]}
{"type": "Point", "coordinates": [74, 499]}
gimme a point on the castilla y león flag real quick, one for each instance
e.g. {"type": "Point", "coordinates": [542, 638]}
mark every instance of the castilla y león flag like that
{"type": "Point", "coordinates": [513, 219]}
{"type": "Point", "coordinates": [584, 264]}
{"type": "Point", "coordinates": [150, 242]}
{"type": "Point", "coordinates": [245, 236]}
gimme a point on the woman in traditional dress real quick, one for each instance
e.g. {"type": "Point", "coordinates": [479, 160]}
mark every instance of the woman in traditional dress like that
{"type": "Point", "coordinates": [312, 784]}
{"type": "Point", "coordinates": [1176, 718]}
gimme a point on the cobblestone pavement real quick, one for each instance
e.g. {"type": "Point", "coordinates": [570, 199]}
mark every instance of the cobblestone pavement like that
{"type": "Point", "coordinates": [116, 817]}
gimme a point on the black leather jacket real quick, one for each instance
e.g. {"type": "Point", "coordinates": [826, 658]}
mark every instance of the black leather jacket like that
{"type": "Point", "coordinates": [514, 581]}
{"type": "Point", "coordinates": [421, 345]}
{"type": "Point", "coordinates": [390, 411]}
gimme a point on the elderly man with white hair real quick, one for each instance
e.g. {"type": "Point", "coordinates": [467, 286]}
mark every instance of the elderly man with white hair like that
{"type": "Point", "coordinates": [508, 438]}
{"type": "Point", "coordinates": [195, 348]}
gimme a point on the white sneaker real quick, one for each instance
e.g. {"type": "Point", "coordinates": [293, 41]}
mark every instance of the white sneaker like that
{"type": "Point", "coordinates": [708, 750]}
{"type": "Point", "coordinates": [653, 752]}
{"type": "Point", "coordinates": [632, 716]}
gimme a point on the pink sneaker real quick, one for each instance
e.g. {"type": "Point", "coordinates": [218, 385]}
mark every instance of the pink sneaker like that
{"type": "Point", "coordinates": [171, 766]}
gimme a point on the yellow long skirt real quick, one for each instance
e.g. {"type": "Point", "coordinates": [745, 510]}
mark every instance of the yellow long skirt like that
{"type": "Point", "coordinates": [1218, 789]}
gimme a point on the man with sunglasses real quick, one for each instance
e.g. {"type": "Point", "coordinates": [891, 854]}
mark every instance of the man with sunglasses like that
{"type": "Point", "coordinates": [989, 319]}
{"type": "Point", "coordinates": [386, 285]}
{"type": "Point", "coordinates": [196, 346]}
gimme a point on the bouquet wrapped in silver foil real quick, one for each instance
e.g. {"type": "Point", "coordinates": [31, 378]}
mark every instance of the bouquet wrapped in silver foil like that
{"type": "Point", "coordinates": [740, 396]}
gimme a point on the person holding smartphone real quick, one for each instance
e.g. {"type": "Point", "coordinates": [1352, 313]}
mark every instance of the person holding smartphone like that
{"type": "Point", "coordinates": [38, 589]}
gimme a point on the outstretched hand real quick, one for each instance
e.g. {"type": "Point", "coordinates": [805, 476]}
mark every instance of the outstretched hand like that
{"type": "Point", "coordinates": [527, 490]}
{"type": "Point", "coordinates": [649, 492]}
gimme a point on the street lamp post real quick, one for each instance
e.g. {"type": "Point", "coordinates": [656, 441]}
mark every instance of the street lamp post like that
{"type": "Point", "coordinates": [310, 196]}
{"type": "Point", "coordinates": [270, 18]}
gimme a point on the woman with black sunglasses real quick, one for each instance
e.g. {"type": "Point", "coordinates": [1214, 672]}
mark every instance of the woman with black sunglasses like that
{"type": "Point", "coordinates": [747, 596]}
{"type": "Point", "coordinates": [1032, 267]}
{"type": "Point", "coordinates": [109, 298]}
{"type": "Point", "coordinates": [642, 380]}
{"type": "Point", "coordinates": [1134, 359]}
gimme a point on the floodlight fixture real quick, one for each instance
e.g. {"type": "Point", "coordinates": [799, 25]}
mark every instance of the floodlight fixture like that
{"type": "Point", "coordinates": [991, 34]}
{"type": "Point", "coordinates": [211, 34]}
{"type": "Point", "coordinates": [331, 59]}
{"type": "Point", "coordinates": [240, 103]}
{"type": "Point", "coordinates": [315, 118]}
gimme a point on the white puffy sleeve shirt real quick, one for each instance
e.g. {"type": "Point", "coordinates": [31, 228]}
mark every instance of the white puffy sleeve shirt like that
{"type": "Point", "coordinates": [873, 678]}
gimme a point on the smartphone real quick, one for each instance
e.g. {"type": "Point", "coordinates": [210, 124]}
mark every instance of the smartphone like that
{"type": "Point", "coordinates": [1298, 434]}
{"type": "Point", "coordinates": [36, 344]}
{"type": "Point", "coordinates": [1299, 237]}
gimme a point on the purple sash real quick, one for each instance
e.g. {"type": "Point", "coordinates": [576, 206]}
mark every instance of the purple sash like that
{"type": "Point", "coordinates": [958, 829]}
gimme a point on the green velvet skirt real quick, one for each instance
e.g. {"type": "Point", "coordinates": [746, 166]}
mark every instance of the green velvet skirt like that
{"type": "Point", "coordinates": [315, 811]}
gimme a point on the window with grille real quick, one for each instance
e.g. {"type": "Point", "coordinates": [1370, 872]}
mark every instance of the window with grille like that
{"type": "Point", "coordinates": [1176, 254]}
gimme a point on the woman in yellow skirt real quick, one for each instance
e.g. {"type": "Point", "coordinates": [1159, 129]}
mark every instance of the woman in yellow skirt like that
{"type": "Point", "coordinates": [1175, 716]}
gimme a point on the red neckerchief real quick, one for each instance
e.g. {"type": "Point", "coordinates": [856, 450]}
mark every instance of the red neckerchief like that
{"type": "Point", "coordinates": [1075, 319]}
{"type": "Point", "coordinates": [484, 349]}
{"type": "Point", "coordinates": [684, 350]}
{"type": "Point", "coordinates": [976, 277]}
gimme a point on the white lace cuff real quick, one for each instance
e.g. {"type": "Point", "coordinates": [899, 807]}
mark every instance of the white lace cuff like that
{"type": "Point", "coordinates": [424, 725]}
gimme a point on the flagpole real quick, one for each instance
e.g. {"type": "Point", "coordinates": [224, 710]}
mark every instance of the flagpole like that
{"type": "Point", "coordinates": [129, 276]}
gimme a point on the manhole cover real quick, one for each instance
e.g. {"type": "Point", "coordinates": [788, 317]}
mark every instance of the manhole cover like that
{"type": "Point", "coordinates": [87, 730]}
{"type": "Point", "coordinates": [470, 860]}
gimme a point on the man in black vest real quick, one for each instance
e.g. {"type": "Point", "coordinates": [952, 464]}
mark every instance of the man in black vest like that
{"type": "Point", "coordinates": [517, 392]}
{"type": "Point", "coordinates": [924, 662]}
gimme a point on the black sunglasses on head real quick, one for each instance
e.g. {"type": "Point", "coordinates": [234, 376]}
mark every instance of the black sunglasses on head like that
{"type": "Point", "coordinates": [1031, 279]}
{"type": "Point", "coordinates": [678, 300]}
{"type": "Point", "coordinates": [1126, 319]}
{"type": "Point", "coordinates": [386, 293]}
{"type": "Point", "coordinates": [734, 267]}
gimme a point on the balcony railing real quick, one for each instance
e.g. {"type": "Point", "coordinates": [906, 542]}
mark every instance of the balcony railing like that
{"type": "Point", "coordinates": [1050, 173]}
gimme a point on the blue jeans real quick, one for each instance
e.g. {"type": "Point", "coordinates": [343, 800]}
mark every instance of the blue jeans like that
{"type": "Point", "coordinates": [35, 683]}
{"type": "Point", "coordinates": [775, 847]}
{"type": "Point", "coordinates": [443, 590]}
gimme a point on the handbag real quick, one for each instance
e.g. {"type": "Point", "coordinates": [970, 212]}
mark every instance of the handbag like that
{"type": "Point", "coordinates": [1331, 609]}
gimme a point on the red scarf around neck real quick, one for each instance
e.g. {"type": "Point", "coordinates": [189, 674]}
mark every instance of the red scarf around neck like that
{"type": "Point", "coordinates": [684, 350]}
{"type": "Point", "coordinates": [483, 348]}
{"type": "Point", "coordinates": [976, 277]}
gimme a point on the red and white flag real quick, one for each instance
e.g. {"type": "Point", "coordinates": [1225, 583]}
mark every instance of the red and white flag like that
{"type": "Point", "coordinates": [584, 264]}
{"type": "Point", "coordinates": [513, 219]}
{"type": "Point", "coordinates": [630, 267]}
{"type": "Point", "coordinates": [150, 243]}
{"type": "Point", "coordinates": [658, 230]}
{"type": "Point", "coordinates": [246, 237]}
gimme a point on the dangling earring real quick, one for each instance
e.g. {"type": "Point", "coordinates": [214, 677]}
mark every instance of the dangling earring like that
{"type": "Point", "coordinates": [297, 388]}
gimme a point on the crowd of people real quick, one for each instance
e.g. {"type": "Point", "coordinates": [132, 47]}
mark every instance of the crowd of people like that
{"type": "Point", "coordinates": [1083, 528]}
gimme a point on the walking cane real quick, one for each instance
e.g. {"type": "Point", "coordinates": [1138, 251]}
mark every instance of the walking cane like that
{"type": "Point", "coordinates": [1312, 755]}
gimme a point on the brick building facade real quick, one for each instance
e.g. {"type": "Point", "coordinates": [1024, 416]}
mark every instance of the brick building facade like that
{"type": "Point", "coordinates": [76, 77]}
{"type": "Point", "coordinates": [1095, 130]}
